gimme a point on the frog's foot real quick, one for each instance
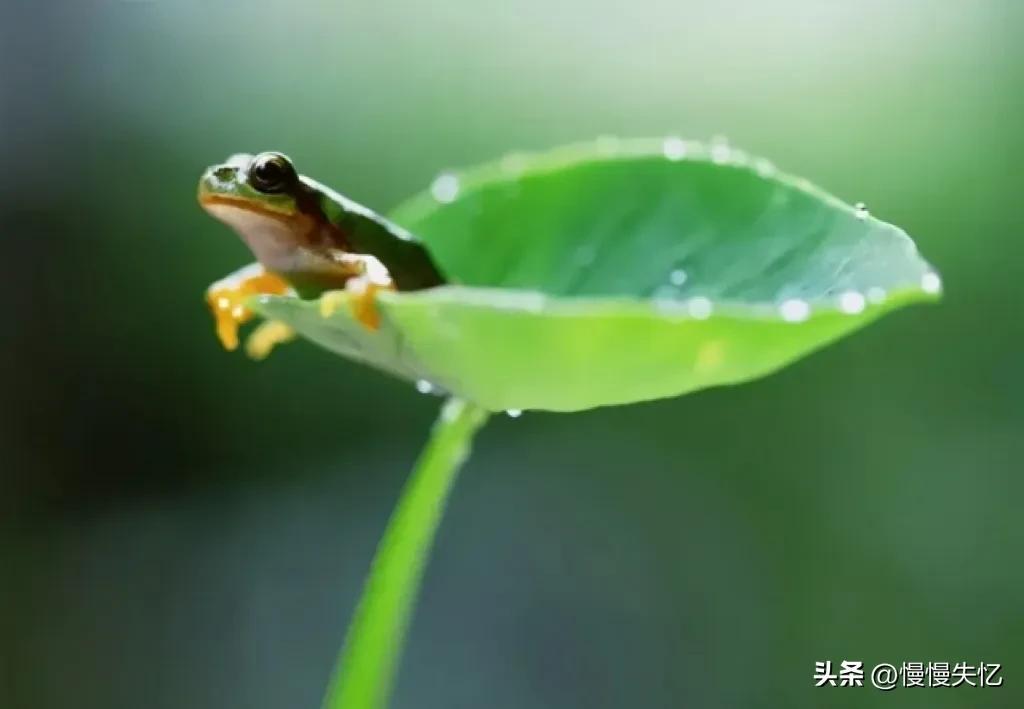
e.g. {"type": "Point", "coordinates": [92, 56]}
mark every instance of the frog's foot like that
{"type": "Point", "coordinates": [360, 294]}
{"type": "Point", "coordinates": [227, 300]}
{"type": "Point", "coordinates": [228, 313]}
{"type": "Point", "coordinates": [266, 337]}
{"type": "Point", "coordinates": [368, 278]}
{"type": "Point", "coordinates": [364, 290]}
{"type": "Point", "coordinates": [364, 301]}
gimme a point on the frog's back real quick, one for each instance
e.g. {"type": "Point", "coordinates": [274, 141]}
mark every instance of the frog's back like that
{"type": "Point", "coordinates": [364, 231]}
{"type": "Point", "coordinates": [406, 258]}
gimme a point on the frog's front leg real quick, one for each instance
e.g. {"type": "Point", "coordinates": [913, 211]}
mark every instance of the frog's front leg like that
{"type": "Point", "coordinates": [227, 301]}
{"type": "Point", "coordinates": [369, 278]}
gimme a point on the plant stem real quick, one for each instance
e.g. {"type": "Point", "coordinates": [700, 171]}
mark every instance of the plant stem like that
{"type": "Point", "coordinates": [365, 671]}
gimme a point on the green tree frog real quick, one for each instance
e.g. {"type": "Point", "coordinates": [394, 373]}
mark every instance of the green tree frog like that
{"type": "Point", "coordinates": [307, 239]}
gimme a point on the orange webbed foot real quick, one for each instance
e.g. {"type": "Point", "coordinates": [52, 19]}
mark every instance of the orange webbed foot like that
{"type": "Point", "coordinates": [368, 277]}
{"type": "Point", "coordinates": [227, 300]}
{"type": "Point", "coordinates": [364, 289]}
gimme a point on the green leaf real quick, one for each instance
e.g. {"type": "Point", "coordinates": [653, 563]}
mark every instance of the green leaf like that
{"type": "Point", "coordinates": [623, 271]}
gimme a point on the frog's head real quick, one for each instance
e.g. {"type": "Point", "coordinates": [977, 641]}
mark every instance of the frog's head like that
{"type": "Point", "coordinates": [264, 183]}
{"type": "Point", "coordinates": [265, 200]}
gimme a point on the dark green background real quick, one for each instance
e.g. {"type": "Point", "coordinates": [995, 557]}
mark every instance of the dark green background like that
{"type": "Point", "coordinates": [185, 528]}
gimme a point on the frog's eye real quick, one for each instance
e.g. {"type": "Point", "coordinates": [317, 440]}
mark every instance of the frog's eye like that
{"type": "Point", "coordinates": [272, 173]}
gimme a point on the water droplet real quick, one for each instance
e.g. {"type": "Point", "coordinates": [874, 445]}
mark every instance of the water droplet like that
{"type": "Point", "coordinates": [223, 303]}
{"type": "Point", "coordinates": [451, 410]}
{"type": "Point", "coordinates": [852, 302]}
{"type": "Point", "coordinates": [721, 153]}
{"type": "Point", "coordinates": [931, 283]}
{"type": "Point", "coordinates": [861, 210]}
{"type": "Point", "coordinates": [699, 308]}
{"type": "Point", "coordinates": [263, 299]}
{"type": "Point", "coordinates": [607, 144]}
{"type": "Point", "coordinates": [514, 413]}
{"type": "Point", "coordinates": [795, 310]}
{"type": "Point", "coordinates": [674, 148]}
{"type": "Point", "coordinates": [424, 387]}
{"type": "Point", "coordinates": [764, 168]}
{"type": "Point", "coordinates": [445, 188]}
{"type": "Point", "coordinates": [238, 311]}
{"type": "Point", "coordinates": [876, 295]}
{"type": "Point", "coordinates": [677, 277]}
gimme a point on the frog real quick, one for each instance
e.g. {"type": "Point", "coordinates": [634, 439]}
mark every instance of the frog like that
{"type": "Point", "coordinates": [308, 241]}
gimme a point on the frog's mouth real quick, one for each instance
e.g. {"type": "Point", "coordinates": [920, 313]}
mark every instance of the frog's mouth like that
{"type": "Point", "coordinates": [217, 203]}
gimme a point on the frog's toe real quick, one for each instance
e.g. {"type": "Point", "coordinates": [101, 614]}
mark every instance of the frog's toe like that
{"type": "Point", "coordinates": [364, 301]}
{"type": "Point", "coordinates": [229, 312]}
{"type": "Point", "coordinates": [266, 337]}
{"type": "Point", "coordinates": [329, 302]}
{"type": "Point", "coordinates": [227, 333]}
{"type": "Point", "coordinates": [227, 301]}
{"type": "Point", "coordinates": [365, 312]}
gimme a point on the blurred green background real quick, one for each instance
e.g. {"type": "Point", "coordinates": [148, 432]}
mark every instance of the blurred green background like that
{"type": "Point", "coordinates": [184, 528]}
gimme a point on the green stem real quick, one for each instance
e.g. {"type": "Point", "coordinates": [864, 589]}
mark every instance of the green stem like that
{"type": "Point", "coordinates": [366, 667]}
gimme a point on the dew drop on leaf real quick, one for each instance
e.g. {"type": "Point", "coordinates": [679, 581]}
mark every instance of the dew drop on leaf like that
{"type": "Point", "coordinates": [445, 188]}
{"type": "Point", "coordinates": [795, 310]}
{"type": "Point", "coordinates": [931, 283]}
{"type": "Point", "coordinates": [674, 148]}
{"type": "Point", "coordinates": [852, 302]}
{"type": "Point", "coordinates": [720, 150]}
{"type": "Point", "coordinates": [699, 308]}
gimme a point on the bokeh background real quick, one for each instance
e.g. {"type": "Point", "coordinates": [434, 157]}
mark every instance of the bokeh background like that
{"type": "Point", "coordinates": [184, 528]}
